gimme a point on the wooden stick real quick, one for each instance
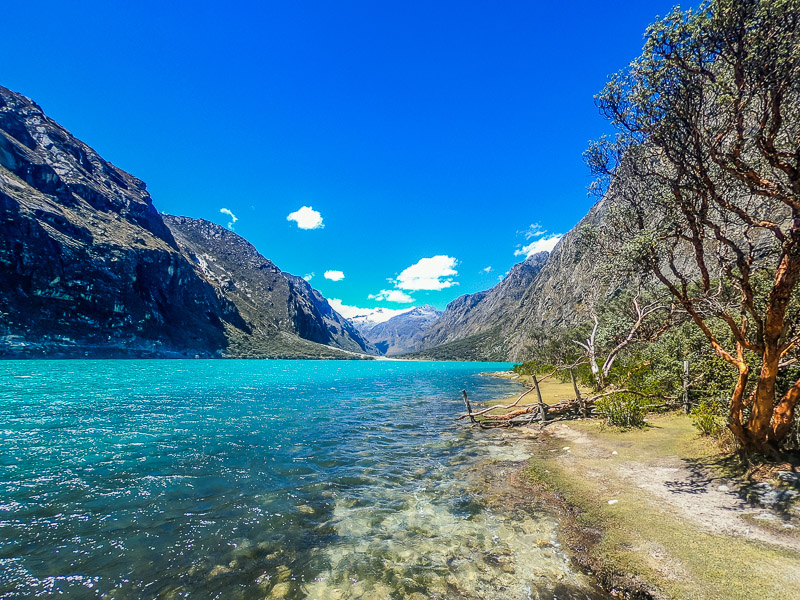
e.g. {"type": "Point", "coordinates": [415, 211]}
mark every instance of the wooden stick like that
{"type": "Point", "coordinates": [491, 408]}
{"type": "Point", "coordinates": [469, 408]}
{"type": "Point", "coordinates": [542, 407]}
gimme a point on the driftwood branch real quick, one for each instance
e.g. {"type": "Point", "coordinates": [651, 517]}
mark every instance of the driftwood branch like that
{"type": "Point", "coordinates": [472, 415]}
{"type": "Point", "coordinates": [529, 413]}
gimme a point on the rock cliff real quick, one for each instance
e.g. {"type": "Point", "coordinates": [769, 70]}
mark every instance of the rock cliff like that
{"type": "Point", "coordinates": [88, 266]}
{"type": "Point", "coordinates": [484, 314]}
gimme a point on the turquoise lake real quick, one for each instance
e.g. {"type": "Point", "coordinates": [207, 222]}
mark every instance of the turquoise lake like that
{"type": "Point", "coordinates": [265, 479]}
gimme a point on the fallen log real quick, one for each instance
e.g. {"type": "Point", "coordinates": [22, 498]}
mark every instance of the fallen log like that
{"type": "Point", "coordinates": [471, 414]}
{"type": "Point", "coordinates": [527, 413]}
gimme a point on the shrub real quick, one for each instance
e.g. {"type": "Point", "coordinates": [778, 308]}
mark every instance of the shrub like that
{"type": "Point", "coordinates": [706, 417]}
{"type": "Point", "coordinates": [623, 410]}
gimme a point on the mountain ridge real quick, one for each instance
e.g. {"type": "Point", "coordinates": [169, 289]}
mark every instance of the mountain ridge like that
{"type": "Point", "coordinates": [401, 333]}
{"type": "Point", "coordinates": [475, 314]}
{"type": "Point", "coordinates": [90, 268]}
{"type": "Point", "coordinates": [269, 299]}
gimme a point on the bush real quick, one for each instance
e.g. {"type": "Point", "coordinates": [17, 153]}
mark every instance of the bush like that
{"type": "Point", "coordinates": [623, 410]}
{"type": "Point", "coordinates": [706, 417]}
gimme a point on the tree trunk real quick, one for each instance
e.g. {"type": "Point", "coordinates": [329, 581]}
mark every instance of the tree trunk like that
{"type": "Point", "coordinates": [686, 387]}
{"type": "Point", "coordinates": [469, 408]}
{"type": "Point", "coordinates": [783, 415]}
{"type": "Point", "coordinates": [578, 396]}
{"type": "Point", "coordinates": [542, 407]}
{"type": "Point", "coordinates": [763, 434]}
{"type": "Point", "coordinates": [763, 400]}
{"type": "Point", "coordinates": [736, 415]}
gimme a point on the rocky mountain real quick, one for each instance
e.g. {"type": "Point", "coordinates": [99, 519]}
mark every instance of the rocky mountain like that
{"type": "Point", "coordinates": [479, 313]}
{"type": "Point", "coordinates": [88, 267]}
{"type": "Point", "coordinates": [544, 291]}
{"type": "Point", "coordinates": [276, 307]}
{"type": "Point", "coordinates": [365, 319]}
{"type": "Point", "coordinates": [402, 333]}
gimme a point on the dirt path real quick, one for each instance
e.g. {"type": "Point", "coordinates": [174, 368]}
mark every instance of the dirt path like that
{"type": "Point", "coordinates": [685, 489]}
{"type": "Point", "coordinates": [658, 515]}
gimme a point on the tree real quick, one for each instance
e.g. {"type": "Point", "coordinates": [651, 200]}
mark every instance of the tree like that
{"type": "Point", "coordinates": [705, 173]}
{"type": "Point", "coordinates": [635, 325]}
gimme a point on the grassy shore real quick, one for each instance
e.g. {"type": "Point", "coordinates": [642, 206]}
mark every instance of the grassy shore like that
{"type": "Point", "coordinates": [658, 510]}
{"type": "Point", "coordinates": [552, 389]}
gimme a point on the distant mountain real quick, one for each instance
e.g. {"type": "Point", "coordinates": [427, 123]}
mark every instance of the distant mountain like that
{"type": "Point", "coordinates": [402, 333]}
{"type": "Point", "coordinates": [365, 319]}
{"type": "Point", "coordinates": [487, 345]}
{"type": "Point", "coordinates": [88, 266]}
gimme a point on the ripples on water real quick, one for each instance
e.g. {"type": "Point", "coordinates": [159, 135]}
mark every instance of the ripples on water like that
{"type": "Point", "coordinates": [262, 479]}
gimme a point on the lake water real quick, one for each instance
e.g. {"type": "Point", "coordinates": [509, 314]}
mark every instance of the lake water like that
{"type": "Point", "coordinates": [239, 479]}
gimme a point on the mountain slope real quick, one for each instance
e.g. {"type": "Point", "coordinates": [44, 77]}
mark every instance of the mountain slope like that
{"type": "Point", "coordinates": [401, 334]}
{"type": "Point", "coordinates": [273, 304]}
{"type": "Point", "coordinates": [89, 268]}
{"type": "Point", "coordinates": [559, 296]}
{"type": "Point", "coordinates": [487, 311]}
{"type": "Point", "coordinates": [544, 291]}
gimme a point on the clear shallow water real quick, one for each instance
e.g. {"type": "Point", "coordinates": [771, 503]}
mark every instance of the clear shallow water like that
{"type": "Point", "coordinates": [263, 479]}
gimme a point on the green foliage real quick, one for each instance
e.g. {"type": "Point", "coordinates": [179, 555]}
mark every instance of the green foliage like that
{"type": "Point", "coordinates": [623, 410]}
{"type": "Point", "coordinates": [710, 375]}
{"type": "Point", "coordinates": [526, 368]}
{"type": "Point", "coordinates": [706, 417]}
{"type": "Point", "coordinates": [640, 248]}
{"type": "Point", "coordinates": [485, 346]}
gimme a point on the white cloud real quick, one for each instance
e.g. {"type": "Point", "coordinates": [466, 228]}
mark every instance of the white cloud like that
{"type": "Point", "coordinates": [392, 296]}
{"type": "Point", "coordinates": [543, 240]}
{"type": "Point", "coordinates": [534, 230]}
{"type": "Point", "coordinates": [334, 275]}
{"type": "Point", "coordinates": [308, 276]}
{"type": "Point", "coordinates": [434, 273]}
{"type": "Point", "coordinates": [306, 218]}
{"type": "Point", "coordinates": [226, 211]}
{"type": "Point", "coordinates": [366, 315]}
{"type": "Point", "coordinates": [487, 269]}
{"type": "Point", "coordinates": [544, 243]}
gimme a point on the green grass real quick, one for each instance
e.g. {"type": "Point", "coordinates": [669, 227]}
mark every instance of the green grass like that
{"type": "Point", "coordinates": [553, 391]}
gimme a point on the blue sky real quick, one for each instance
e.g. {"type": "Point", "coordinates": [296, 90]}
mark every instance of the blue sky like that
{"type": "Point", "coordinates": [416, 130]}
